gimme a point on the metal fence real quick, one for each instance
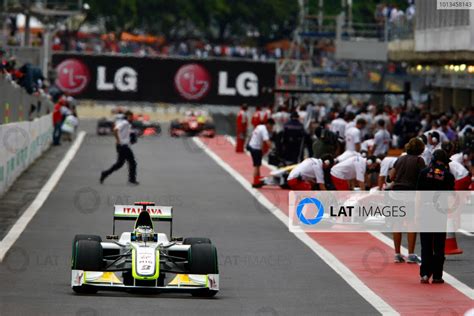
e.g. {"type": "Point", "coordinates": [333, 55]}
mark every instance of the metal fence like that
{"type": "Point", "coordinates": [17, 105]}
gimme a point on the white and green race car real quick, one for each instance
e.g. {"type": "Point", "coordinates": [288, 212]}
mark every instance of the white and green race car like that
{"type": "Point", "coordinates": [143, 259]}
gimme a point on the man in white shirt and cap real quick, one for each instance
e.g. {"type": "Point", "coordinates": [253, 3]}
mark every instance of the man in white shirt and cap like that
{"type": "Point", "coordinates": [122, 131]}
{"type": "Point", "coordinates": [353, 136]}
{"type": "Point", "coordinates": [259, 137]}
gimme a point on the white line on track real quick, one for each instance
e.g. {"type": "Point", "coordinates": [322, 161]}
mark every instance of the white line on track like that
{"type": "Point", "coordinates": [448, 278]}
{"type": "Point", "coordinates": [465, 232]}
{"type": "Point", "coordinates": [346, 274]}
{"type": "Point", "coordinates": [20, 225]}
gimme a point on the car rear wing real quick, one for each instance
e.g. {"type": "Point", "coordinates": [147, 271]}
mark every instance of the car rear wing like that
{"type": "Point", "coordinates": [131, 212]}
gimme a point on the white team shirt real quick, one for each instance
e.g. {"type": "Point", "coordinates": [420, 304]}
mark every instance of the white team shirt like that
{"type": "Point", "coordinates": [366, 144]}
{"type": "Point", "coordinates": [350, 124]}
{"type": "Point", "coordinates": [124, 128]}
{"type": "Point", "coordinates": [346, 155]}
{"type": "Point", "coordinates": [459, 157]}
{"type": "Point", "coordinates": [382, 142]}
{"type": "Point", "coordinates": [259, 135]}
{"type": "Point", "coordinates": [349, 169]}
{"type": "Point", "coordinates": [432, 148]}
{"type": "Point", "coordinates": [427, 155]}
{"type": "Point", "coordinates": [442, 135]}
{"type": "Point", "coordinates": [70, 124]}
{"type": "Point", "coordinates": [387, 164]}
{"type": "Point", "coordinates": [280, 119]}
{"type": "Point", "coordinates": [309, 169]}
{"type": "Point", "coordinates": [353, 137]}
{"type": "Point", "coordinates": [458, 170]}
{"type": "Point", "coordinates": [338, 126]}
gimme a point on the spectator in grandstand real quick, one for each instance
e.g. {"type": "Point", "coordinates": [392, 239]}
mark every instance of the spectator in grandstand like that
{"type": "Point", "coordinates": [382, 139]}
{"type": "Point", "coordinates": [32, 78]}
{"type": "Point", "coordinates": [405, 175]}
{"type": "Point", "coordinates": [123, 133]}
{"type": "Point", "coordinates": [436, 177]}
{"type": "Point", "coordinates": [309, 174]}
{"type": "Point", "coordinates": [353, 137]}
{"type": "Point", "coordinates": [259, 137]}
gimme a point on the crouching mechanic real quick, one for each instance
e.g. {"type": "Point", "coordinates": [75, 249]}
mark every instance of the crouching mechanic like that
{"type": "Point", "coordinates": [351, 169]}
{"type": "Point", "coordinates": [309, 173]}
{"type": "Point", "coordinates": [259, 137]}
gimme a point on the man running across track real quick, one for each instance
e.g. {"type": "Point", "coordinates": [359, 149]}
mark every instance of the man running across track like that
{"type": "Point", "coordinates": [122, 131]}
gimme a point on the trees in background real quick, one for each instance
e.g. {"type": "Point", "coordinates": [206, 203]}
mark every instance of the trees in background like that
{"type": "Point", "coordinates": [218, 20]}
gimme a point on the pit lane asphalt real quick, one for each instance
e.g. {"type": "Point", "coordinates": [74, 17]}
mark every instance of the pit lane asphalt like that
{"type": "Point", "coordinates": [264, 269]}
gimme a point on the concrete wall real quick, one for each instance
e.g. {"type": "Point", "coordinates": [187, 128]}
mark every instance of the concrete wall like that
{"type": "Point", "coordinates": [17, 105]}
{"type": "Point", "coordinates": [26, 130]}
{"type": "Point", "coordinates": [21, 143]}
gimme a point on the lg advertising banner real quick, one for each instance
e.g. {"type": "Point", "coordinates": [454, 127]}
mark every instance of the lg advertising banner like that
{"type": "Point", "coordinates": [212, 81]}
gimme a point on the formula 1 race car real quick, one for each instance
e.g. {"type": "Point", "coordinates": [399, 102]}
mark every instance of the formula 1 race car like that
{"type": "Point", "coordinates": [143, 259]}
{"type": "Point", "coordinates": [141, 125]}
{"type": "Point", "coordinates": [194, 123]}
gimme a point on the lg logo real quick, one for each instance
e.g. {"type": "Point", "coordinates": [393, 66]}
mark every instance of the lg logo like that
{"type": "Point", "coordinates": [73, 78]}
{"type": "Point", "coordinates": [193, 82]}
{"type": "Point", "coordinates": [246, 84]}
{"type": "Point", "coordinates": [125, 80]}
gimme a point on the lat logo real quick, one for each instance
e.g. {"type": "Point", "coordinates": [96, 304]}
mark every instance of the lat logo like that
{"type": "Point", "coordinates": [72, 76]}
{"type": "Point", "coordinates": [192, 81]}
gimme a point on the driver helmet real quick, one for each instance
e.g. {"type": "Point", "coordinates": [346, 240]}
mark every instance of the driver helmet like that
{"type": "Point", "coordinates": [144, 233]}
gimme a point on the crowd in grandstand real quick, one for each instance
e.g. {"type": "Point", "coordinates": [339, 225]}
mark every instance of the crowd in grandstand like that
{"type": "Point", "coordinates": [30, 78]}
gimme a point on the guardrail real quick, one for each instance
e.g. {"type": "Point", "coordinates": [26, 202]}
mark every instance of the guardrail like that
{"type": "Point", "coordinates": [17, 105]}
